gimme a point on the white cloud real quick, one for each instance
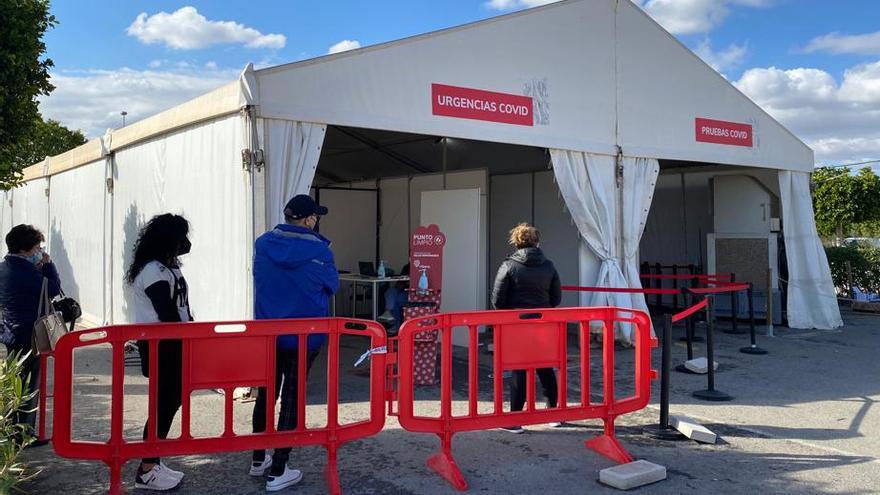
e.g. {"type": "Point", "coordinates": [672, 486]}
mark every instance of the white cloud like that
{"type": "Point", "coordinates": [344, 46]}
{"type": "Point", "coordinates": [723, 60]}
{"type": "Point", "coordinates": [840, 120]}
{"type": "Point", "coordinates": [91, 100]}
{"type": "Point", "coordinates": [693, 16]}
{"type": "Point", "coordinates": [155, 64]}
{"type": "Point", "coordinates": [836, 43]}
{"type": "Point", "coordinates": [186, 29]}
{"type": "Point", "coordinates": [516, 4]}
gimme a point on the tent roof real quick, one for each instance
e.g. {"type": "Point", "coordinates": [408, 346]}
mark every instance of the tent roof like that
{"type": "Point", "coordinates": [600, 74]}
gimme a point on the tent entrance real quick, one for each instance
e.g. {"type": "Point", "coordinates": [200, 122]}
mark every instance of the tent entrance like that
{"type": "Point", "coordinates": [380, 177]}
{"type": "Point", "coordinates": [721, 219]}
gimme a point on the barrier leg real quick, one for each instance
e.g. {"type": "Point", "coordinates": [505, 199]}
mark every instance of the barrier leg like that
{"type": "Point", "coordinates": [331, 472]}
{"type": "Point", "coordinates": [444, 464]}
{"type": "Point", "coordinates": [608, 445]}
{"type": "Point", "coordinates": [753, 340]}
{"type": "Point", "coordinates": [115, 466]}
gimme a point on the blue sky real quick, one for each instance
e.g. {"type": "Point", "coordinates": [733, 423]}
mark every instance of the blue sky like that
{"type": "Point", "coordinates": [813, 64]}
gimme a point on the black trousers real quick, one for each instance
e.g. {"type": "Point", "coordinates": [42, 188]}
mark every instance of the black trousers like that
{"type": "Point", "coordinates": [286, 384]}
{"type": "Point", "coordinates": [169, 387]}
{"type": "Point", "coordinates": [518, 387]}
{"type": "Point", "coordinates": [30, 377]}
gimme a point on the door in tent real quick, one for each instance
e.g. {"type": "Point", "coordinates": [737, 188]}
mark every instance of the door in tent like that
{"type": "Point", "coordinates": [458, 214]}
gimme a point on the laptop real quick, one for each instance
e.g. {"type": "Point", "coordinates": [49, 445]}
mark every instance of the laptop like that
{"type": "Point", "coordinates": [367, 269]}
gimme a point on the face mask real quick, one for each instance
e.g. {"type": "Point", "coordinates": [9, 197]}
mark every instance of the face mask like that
{"type": "Point", "coordinates": [184, 248]}
{"type": "Point", "coordinates": [36, 257]}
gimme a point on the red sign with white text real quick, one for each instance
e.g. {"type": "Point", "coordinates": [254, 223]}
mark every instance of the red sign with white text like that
{"type": "Point", "coordinates": [467, 103]}
{"type": "Point", "coordinates": [722, 132]}
{"type": "Point", "coordinates": [426, 253]}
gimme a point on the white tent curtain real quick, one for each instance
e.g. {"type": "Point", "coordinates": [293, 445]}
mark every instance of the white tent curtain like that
{"type": "Point", "coordinates": [812, 302]}
{"type": "Point", "coordinates": [292, 153]}
{"type": "Point", "coordinates": [589, 187]}
{"type": "Point", "coordinates": [639, 180]}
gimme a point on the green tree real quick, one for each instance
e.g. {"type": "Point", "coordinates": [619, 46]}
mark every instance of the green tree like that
{"type": "Point", "coordinates": [842, 199]}
{"type": "Point", "coordinates": [24, 75]}
{"type": "Point", "coordinates": [48, 138]}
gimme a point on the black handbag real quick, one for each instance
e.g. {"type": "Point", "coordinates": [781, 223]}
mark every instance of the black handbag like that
{"type": "Point", "coordinates": [68, 307]}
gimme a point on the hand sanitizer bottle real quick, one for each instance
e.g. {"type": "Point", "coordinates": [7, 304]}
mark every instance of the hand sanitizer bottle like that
{"type": "Point", "coordinates": [423, 282]}
{"type": "Point", "coordinates": [381, 270]}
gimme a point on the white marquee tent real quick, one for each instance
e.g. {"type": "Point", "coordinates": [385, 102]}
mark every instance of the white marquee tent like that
{"type": "Point", "coordinates": [596, 85]}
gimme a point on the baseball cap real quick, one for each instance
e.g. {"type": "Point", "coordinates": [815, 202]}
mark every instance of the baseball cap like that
{"type": "Point", "coordinates": [302, 206]}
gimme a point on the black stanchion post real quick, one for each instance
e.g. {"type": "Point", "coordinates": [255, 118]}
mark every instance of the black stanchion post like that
{"type": "Point", "coordinates": [753, 347]}
{"type": "Point", "coordinates": [734, 302]}
{"type": "Point", "coordinates": [659, 270]}
{"type": "Point", "coordinates": [689, 336]}
{"type": "Point", "coordinates": [675, 286]}
{"type": "Point", "coordinates": [663, 431]}
{"type": "Point", "coordinates": [710, 393]}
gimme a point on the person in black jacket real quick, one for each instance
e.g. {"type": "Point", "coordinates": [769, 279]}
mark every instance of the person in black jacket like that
{"type": "Point", "coordinates": [21, 282]}
{"type": "Point", "coordinates": [527, 280]}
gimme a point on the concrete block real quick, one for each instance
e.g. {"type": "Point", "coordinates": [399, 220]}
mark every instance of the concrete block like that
{"type": "Point", "coordinates": [632, 475]}
{"type": "Point", "coordinates": [693, 430]}
{"type": "Point", "coordinates": [699, 365]}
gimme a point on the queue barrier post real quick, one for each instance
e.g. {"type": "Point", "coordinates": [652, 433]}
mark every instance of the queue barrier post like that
{"type": "Point", "coordinates": [210, 355]}
{"type": "Point", "coordinates": [753, 339]}
{"type": "Point", "coordinates": [710, 393]}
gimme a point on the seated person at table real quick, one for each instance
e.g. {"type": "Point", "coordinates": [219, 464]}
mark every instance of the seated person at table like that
{"type": "Point", "coordinates": [396, 298]}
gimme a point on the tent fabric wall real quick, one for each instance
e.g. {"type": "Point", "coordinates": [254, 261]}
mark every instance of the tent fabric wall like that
{"type": "Point", "coordinates": [76, 237]}
{"type": "Point", "coordinates": [589, 187]}
{"type": "Point", "coordinates": [30, 204]}
{"type": "Point", "coordinates": [812, 302]}
{"type": "Point", "coordinates": [292, 153]}
{"type": "Point", "coordinates": [162, 175]}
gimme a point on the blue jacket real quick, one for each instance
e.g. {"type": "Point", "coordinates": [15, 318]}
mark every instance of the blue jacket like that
{"type": "Point", "coordinates": [294, 277]}
{"type": "Point", "coordinates": [20, 285]}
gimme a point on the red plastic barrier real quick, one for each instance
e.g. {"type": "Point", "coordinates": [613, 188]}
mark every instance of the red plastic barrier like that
{"type": "Point", "coordinates": [223, 356]}
{"type": "Point", "coordinates": [525, 340]}
{"type": "Point", "coordinates": [677, 317]}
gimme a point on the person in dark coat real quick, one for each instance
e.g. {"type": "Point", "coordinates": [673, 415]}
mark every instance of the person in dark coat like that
{"type": "Point", "coordinates": [527, 280]}
{"type": "Point", "coordinates": [21, 283]}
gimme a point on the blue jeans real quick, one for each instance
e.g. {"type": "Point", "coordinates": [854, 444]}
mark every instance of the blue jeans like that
{"type": "Point", "coordinates": [395, 299]}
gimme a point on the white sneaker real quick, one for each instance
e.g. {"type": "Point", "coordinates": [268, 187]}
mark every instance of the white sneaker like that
{"type": "Point", "coordinates": [290, 477]}
{"type": "Point", "coordinates": [177, 474]}
{"type": "Point", "coordinates": [261, 468]}
{"type": "Point", "coordinates": [513, 429]}
{"type": "Point", "coordinates": [156, 479]}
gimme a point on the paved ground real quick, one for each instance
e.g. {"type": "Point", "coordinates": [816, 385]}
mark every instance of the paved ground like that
{"type": "Point", "coordinates": [803, 421]}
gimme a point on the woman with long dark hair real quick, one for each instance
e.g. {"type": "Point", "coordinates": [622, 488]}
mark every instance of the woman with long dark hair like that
{"type": "Point", "coordinates": [159, 294]}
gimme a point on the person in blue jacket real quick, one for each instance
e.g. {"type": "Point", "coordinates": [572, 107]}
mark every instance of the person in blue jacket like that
{"type": "Point", "coordinates": [294, 277]}
{"type": "Point", "coordinates": [21, 282]}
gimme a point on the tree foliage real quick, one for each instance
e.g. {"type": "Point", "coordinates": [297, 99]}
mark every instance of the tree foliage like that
{"type": "Point", "coordinates": [843, 200]}
{"type": "Point", "coordinates": [24, 75]}
{"type": "Point", "coordinates": [48, 138]}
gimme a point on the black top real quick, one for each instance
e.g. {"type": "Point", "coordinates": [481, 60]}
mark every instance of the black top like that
{"type": "Point", "coordinates": [526, 280]}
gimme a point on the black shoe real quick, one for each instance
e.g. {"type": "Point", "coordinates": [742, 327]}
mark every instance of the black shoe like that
{"type": "Point", "coordinates": [36, 443]}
